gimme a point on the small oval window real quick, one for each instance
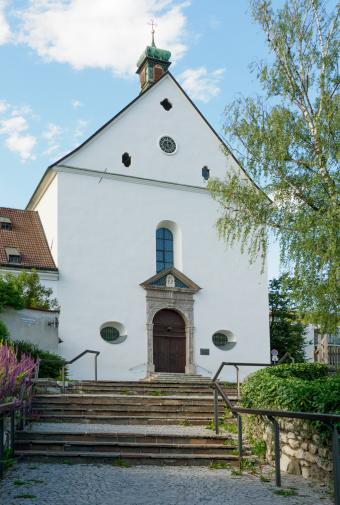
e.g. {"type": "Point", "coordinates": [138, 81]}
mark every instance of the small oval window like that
{"type": "Point", "coordinates": [113, 333]}
{"type": "Point", "coordinates": [224, 340]}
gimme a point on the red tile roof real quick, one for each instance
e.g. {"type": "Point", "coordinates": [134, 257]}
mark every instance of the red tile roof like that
{"type": "Point", "coordinates": [28, 237]}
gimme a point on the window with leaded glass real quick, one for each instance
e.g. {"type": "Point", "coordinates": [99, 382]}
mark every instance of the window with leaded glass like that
{"type": "Point", "coordinates": [164, 249]}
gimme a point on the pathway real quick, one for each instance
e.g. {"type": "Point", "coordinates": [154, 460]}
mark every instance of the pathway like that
{"type": "Point", "coordinates": [75, 484]}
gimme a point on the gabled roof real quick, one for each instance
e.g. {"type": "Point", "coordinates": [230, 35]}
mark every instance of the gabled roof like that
{"type": "Point", "coordinates": [27, 237]}
{"type": "Point", "coordinates": [60, 160]}
{"type": "Point", "coordinates": [181, 281]}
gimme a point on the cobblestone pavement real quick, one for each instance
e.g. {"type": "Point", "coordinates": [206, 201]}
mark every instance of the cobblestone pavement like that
{"type": "Point", "coordinates": [64, 484]}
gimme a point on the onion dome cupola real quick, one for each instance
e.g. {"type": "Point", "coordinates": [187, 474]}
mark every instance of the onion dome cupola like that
{"type": "Point", "coordinates": [152, 64]}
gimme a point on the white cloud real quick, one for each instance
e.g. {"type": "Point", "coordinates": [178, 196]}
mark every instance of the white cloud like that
{"type": "Point", "coordinates": [80, 128]}
{"type": "Point", "coordinates": [13, 125]}
{"type": "Point", "coordinates": [52, 135]}
{"type": "Point", "coordinates": [22, 144]}
{"type": "Point", "coordinates": [52, 132]}
{"type": "Point", "coordinates": [3, 106]}
{"type": "Point", "coordinates": [102, 33]}
{"type": "Point", "coordinates": [51, 149]}
{"type": "Point", "coordinates": [5, 31]}
{"type": "Point", "coordinates": [14, 129]}
{"type": "Point", "coordinates": [76, 104]}
{"type": "Point", "coordinates": [202, 84]}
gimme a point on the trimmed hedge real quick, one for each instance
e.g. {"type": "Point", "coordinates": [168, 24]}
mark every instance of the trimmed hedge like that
{"type": "Point", "coordinates": [304, 387]}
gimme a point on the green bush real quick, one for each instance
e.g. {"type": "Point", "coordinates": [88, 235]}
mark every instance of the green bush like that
{"type": "Point", "coordinates": [48, 369]}
{"type": "Point", "coordinates": [301, 387]}
{"type": "Point", "coordinates": [306, 371]}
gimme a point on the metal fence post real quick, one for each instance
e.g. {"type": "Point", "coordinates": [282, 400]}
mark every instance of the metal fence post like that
{"type": "Point", "coordinates": [240, 439]}
{"type": "Point", "coordinates": [238, 382]}
{"type": "Point", "coordinates": [12, 431]}
{"type": "Point", "coordinates": [336, 463]}
{"type": "Point", "coordinates": [63, 377]}
{"type": "Point", "coordinates": [1, 447]}
{"type": "Point", "coordinates": [95, 367]}
{"type": "Point", "coordinates": [216, 411]}
{"type": "Point", "coordinates": [276, 429]}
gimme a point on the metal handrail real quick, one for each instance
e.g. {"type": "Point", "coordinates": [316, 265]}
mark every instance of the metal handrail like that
{"type": "Point", "coordinates": [10, 408]}
{"type": "Point", "coordinates": [87, 351]}
{"type": "Point", "coordinates": [236, 365]}
{"type": "Point", "coordinates": [330, 420]}
{"type": "Point", "coordinates": [284, 358]}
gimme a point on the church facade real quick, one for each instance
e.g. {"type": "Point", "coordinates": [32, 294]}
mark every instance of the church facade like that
{"type": "Point", "coordinates": [130, 224]}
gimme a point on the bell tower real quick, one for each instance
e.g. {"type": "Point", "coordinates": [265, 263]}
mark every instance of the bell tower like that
{"type": "Point", "coordinates": [153, 63]}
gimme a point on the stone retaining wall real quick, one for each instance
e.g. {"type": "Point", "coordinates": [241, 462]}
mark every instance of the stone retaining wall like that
{"type": "Point", "coordinates": [303, 451]}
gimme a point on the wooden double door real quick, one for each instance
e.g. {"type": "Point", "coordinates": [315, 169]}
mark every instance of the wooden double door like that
{"type": "Point", "coordinates": [169, 342]}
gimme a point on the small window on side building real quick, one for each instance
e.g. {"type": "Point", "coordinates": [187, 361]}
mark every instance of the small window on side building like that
{"type": "Point", "coordinates": [5, 223]}
{"type": "Point", "coordinates": [13, 255]}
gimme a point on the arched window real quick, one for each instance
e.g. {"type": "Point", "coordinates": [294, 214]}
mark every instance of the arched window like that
{"type": "Point", "coordinates": [164, 249]}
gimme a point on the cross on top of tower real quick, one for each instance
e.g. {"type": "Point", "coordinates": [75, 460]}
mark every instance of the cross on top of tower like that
{"type": "Point", "coordinates": [153, 23]}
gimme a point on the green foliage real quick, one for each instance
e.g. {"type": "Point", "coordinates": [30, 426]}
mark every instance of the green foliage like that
{"type": "Point", "coordinates": [219, 465]}
{"type": "Point", "coordinates": [8, 460]}
{"type": "Point", "coordinates": [305, 371]}
{"type": "Point", "coordinates": [287, 140]}
{"type": "Point", "coordinates": [286, 330]}
{"type": "Point", "coordinates": [51, 368]}
{"type": "Point", "coordinates": [25, 291]}
{"type": "Point", "coordinates": [286, 492]}
{"type": "Point", "coordinates": [4, 333]}
{"type": "Point", "coordinates": [299, 387]}
{"type": "Point", "coordinates": [259, 449]}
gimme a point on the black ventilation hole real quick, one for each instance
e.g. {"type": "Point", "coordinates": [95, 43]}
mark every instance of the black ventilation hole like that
{"type": "Point", "coordinates": [126, 159]}
{"type": "Point", "coordinates": [205, 173]}
{"type": "Point", "coordinates": [166, 104]}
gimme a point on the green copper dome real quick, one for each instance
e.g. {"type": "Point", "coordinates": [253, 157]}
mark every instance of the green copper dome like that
{"type": "Point", "coordinates": [154, 52]}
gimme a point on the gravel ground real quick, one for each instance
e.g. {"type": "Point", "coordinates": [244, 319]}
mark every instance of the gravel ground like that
{"type": "Point", "coordinates": [108, 428]}
{"type": "Point", "coordinates": [61, 484]}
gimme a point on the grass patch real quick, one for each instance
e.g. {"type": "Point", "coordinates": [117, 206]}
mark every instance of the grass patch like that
{"type": "Point", "coordinates": [219, 465]}
{"type": "Point", "coordinates": [259, 449]}
{"type": "Point", "coordinates": [156, 392]}
{"type": "Point", "coordinates": [25, 496]}
{"type": "Point", "coordinates": [67, 462]}
{"type": "Point", "coordinates": [121, 463]}
{"type": "Point", "coordinates": [35, 481]}
{"type": "Point", "coordinates": [248, 464]}
{"type": "Point", "coordinates": [286, 492]}
{"type": "Point", "coordinates": [264, 479]}
{"type": "Point", "coordinates": [185, 422]}
{"type": "Point", "coordinates": [18, 482]}
{"type": "Point", "coordinates": [236, 473]}
{"type": "Point", "coordinates": [8, 460]}
{"type": "Point", "coordinates": [230, 427]}
{"type": "Point", "coordinates": [33, 467]}
{"type": "Point", "coordinates": [230, 441]}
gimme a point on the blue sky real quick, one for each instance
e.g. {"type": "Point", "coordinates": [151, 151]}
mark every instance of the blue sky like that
{"type": "Point", "coordinates": [68, 66]}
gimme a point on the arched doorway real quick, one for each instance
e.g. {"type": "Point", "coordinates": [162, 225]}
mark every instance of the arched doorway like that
{"type": "Point", "coordinates": [169, 342]}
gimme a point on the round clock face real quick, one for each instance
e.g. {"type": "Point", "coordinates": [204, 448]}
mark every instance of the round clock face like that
{"type": "Point", "coordinates": [167, 144]}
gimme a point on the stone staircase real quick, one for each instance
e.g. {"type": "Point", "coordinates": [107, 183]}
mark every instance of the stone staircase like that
{"type": "Point", "coordinates": [135, 422]}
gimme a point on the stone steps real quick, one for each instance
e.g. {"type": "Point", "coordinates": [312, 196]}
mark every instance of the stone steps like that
{"type": "Point", "coordinates": [161, 388]}
{"type": "Point", "coordinates": [143, 407]}
{"type": "Point", "coordinates": [125, 420]}
{"type": "Point", "coordinates": [122, 458]}
{"type": "Point", "coordinates": [127, 447]}
{"type": "Point", "coordinates": [119, 436]}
